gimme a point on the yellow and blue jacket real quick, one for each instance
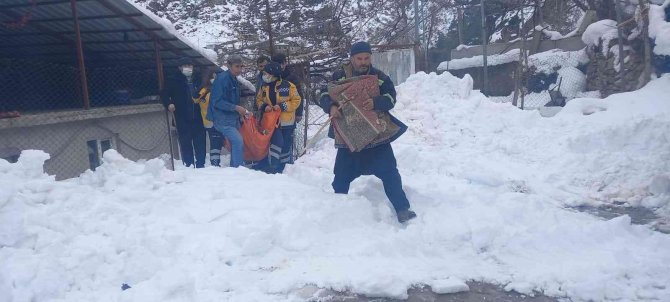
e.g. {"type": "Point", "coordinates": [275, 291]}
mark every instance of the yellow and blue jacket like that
{"type": "Point", "coordinates": [203, 101]}
{"type": "Point", "coordinates": [287, 98]}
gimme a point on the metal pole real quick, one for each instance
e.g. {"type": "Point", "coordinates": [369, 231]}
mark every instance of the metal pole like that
{"type": "Point", "coordinates": [80, 57]}
{"type": "Point", "coordinates": [416, 22]}
{"type": "Point", "coordinates": [417, 39]}
{"type": "Point", "coordinates": [485, 82]}
{"type": "Point", "coordinates": [646, 73]}
{"type": "Point", "coordinates": [268, 21]}
{"type": "Point", "coordinates": [460, 26]}
{"type": "Point", "coordinates": [161, 85]}
{"type": "Point", "coordinates": [311, 97]}
{"type": "Point", "coordinates": [619, 17]}
{"type": "Point", "coordinates": [523, 83]}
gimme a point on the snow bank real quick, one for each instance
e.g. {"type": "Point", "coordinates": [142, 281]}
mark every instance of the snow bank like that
{"type": "Point", "coordinates": [478, 61]}
{"type": "Point", "coordinates": [659, 28]}
{"type": "Point", "coordinates": [572, 81]}
{"type": "Point", "coordinates": [486, 169]}
{"type": "Point", "coordinates": [551, 60]}
{"type": "Point", "coordinates": [488, 181]}
{"type": "Point", "coordinates": [604, 30]}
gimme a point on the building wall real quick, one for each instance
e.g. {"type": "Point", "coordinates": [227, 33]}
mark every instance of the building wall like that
{"type": "Point", "coordinates": [137, 132]}
{"type": "Point", "coordinates": [398, 64]}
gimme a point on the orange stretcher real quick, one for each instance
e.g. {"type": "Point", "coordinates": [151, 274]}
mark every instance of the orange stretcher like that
{"type": "Point", "coordinates": [256, 136]}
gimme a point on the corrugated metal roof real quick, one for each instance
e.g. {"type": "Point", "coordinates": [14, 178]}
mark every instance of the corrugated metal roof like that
{"type": "Point", "coordinates": [111, 30]}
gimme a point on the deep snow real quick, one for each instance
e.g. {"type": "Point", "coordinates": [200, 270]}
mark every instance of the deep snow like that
{"type": "Point", "coordinates": [490, 184]}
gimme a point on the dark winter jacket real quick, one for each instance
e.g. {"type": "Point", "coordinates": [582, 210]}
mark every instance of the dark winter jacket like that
{"type": "Point", "coordinates": [289, 75]}
{"type": "Point", "coordinates": [385, 101]}
{"type": "Point", "coordinates": [180, 92]}
{"type": "Point", "coordinates": [259, 81]}
{"type": "Point", "coordinates": [223, 101]}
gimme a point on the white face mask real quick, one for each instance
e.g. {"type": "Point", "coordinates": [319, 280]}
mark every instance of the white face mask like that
{"type": "Point", "coordinates": [268, 78]}
{"type": "Point", "coordinates": [211, 81]}
{"type": "Point", "coordinates": [187, 71]}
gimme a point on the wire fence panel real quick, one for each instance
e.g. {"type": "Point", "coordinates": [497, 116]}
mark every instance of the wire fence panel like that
{"type": "Point", "coordinates": [29, 85]}
{"type": "Point", "coordinates": [77, 139]}
{"type": "Point", "coordinates": [42, 107]}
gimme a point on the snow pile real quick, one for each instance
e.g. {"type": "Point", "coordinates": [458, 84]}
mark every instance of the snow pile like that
{"type": "Point", "coordinates": [605, 30]}
{"type": "Point", "coordinates": [478, 61]}
{"type": "Point", "coordinates": [487, 180]}
{"type": "Point", "coordinates": [551, 60]}
{"type": "Point", "coordinates": [572, 82]}
{"type": "Point", "coordinates": [659, 28]}
{"type": "Point", "coordinates": [463, 156]}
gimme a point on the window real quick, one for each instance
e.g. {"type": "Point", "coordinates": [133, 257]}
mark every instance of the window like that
{"type": "Point", "coordinates": [96, 148]}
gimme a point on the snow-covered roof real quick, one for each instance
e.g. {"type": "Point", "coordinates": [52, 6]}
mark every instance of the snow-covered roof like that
{"type": "Point", "coordinates": [478, 61]}
{"type": "Point", "coordinates": [116, 31]}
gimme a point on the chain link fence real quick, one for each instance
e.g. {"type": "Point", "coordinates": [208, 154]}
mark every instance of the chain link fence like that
{"type": "Point", "coordinates": [43, 109]}
{"type": "Point", "coordinates": [551, 78]}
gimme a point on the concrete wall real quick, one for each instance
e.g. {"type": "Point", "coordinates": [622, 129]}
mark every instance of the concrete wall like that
{"type": "Point", "coordinates": [398, 64]}
{"type": "Point", "coordinates": [137, 132]}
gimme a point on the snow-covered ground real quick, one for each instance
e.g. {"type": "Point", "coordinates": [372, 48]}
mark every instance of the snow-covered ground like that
{"type": "Point", "coordinates": [490, 184]}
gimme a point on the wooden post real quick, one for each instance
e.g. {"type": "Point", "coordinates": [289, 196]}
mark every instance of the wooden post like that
{"type": "Point", "coordinates": [268, 21]}
{"type": "Point", "coordinates": [646, 72]}
{"type": "Point", "coordinates": [619, 17]}
{"type": "Point", "coordinates": [161, 86]}
{"type": "Point", "coordinates": [460, 26]}
{"type": "Point", "coordinates": [80, 57]}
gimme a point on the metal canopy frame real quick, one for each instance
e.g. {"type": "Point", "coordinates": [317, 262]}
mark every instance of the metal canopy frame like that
{"type": "Point", "coordinates": [111, 32]}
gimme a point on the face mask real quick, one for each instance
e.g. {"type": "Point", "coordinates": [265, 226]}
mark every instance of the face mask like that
{"type": "Point", "coordinates": [211, 81]}
{"type": "Point", "coordinates": [268, 78]}
{"type": "Point", "coordinates": [187, 72]}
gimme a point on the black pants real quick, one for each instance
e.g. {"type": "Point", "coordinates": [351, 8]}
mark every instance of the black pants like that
{"type": "Point", "coordinates": [215, 146]}
{"type": "Point", "coordinates": [378, 161]}
{"type": "Point", "coordinates": [192, 138]}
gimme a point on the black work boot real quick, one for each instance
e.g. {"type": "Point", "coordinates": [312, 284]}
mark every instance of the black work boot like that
{"type": "Point", "coordinates": [406, 215]}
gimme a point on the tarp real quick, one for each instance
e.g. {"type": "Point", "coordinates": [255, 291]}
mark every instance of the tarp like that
{"type": "Point", "coordinates": [257, 136]}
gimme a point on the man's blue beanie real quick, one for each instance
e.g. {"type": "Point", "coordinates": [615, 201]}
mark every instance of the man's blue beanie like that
{"type": "Point", "coordinates": [360, 47]}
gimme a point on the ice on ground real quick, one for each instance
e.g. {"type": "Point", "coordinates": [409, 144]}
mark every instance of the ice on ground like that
{"type": "Point", "coordinates": [488, 181]}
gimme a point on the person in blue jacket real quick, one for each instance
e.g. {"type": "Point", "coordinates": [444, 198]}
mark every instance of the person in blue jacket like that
{"type": "Point", "coordinates": [225, 110]}
{"type": "Point", "coordinates": [375, 159]}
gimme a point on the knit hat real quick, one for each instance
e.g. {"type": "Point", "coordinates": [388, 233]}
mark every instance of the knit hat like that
{"type": "Point", "coordinates": [279, 58]}
{"type": "Point", "coordinates": [360, 47]}
{"type": "Point", "coordinates": [274, 69]}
